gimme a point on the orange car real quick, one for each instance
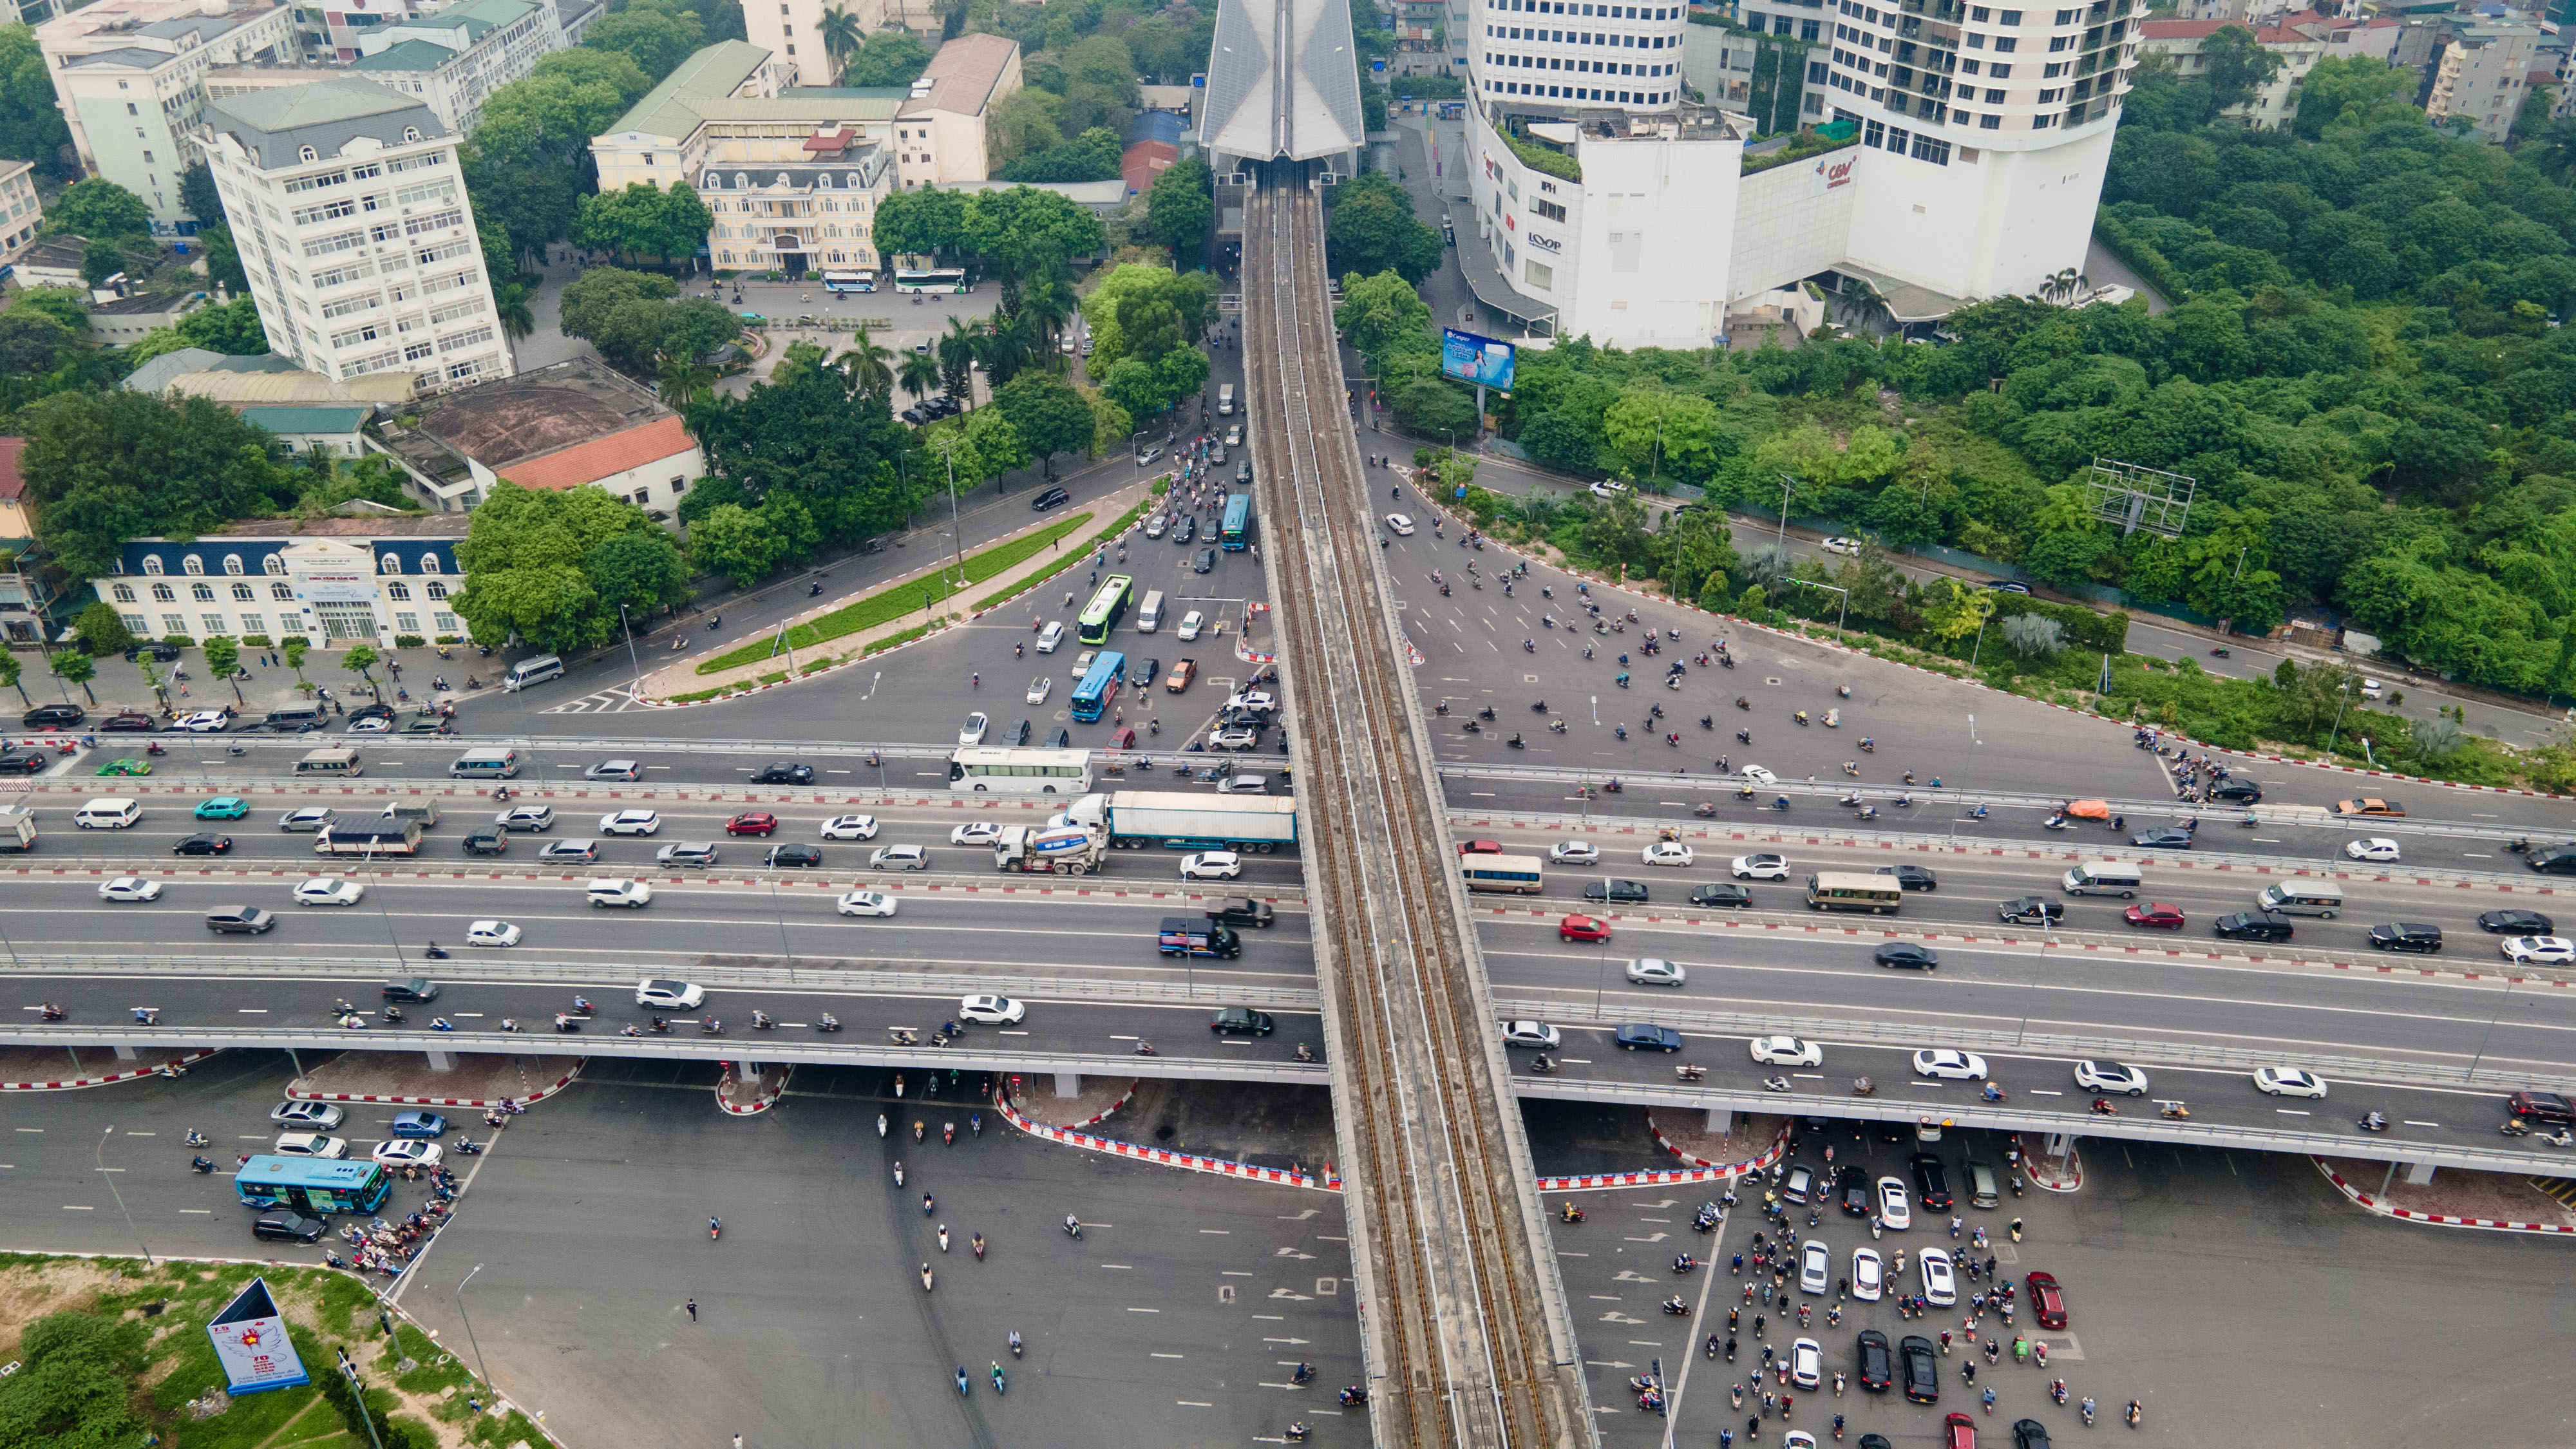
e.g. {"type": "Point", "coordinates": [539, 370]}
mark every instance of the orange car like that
{"type": "Point", "coordinates": [2389, 808]}
{"type": "Point", "coordinates": [1583, 928]}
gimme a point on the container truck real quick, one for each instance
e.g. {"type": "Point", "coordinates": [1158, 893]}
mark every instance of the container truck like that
{"type": "Point", "coordinates": [1065, 849]}
{"type": "Point", "coordinates": [1140, 819]}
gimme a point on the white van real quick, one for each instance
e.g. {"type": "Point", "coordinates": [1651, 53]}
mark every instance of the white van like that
{"type": "Point", "coordinates": [1149, 617]}
{"type": "Point", "coordinates": [2303, 898]}
{"type": "Point", "coordinates": [2104, 878]}
{"type": "Point", "coordinates": [496, 762]}
{"type": "Point", "coordinates": [113, 813]}
{"type": "Point", "coordinates": [532, 671]}
{"type": "Point", "coordinates": [1225, 398]}
{"type": "Point", "coordinates": [331, 760]}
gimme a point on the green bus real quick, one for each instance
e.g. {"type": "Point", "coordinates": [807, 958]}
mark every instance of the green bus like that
{"type": "Point", "coordinates": [1106, 606]}
{"type": "Point", "coordinates": [314, 1185]}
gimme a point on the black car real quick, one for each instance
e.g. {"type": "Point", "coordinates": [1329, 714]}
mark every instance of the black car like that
{"type": "Point", "coordinates": [1851, 1190]}
{"type": "Point", "coordinates": [1206, 563]}
{"type": "Point", "coordinates": [288, 1228]}
{"type": "Point", "coordinates": [1922, 1369]}
{"type": "Point", "coordinates": [803, 857]}
{"type": "Point", "coordinates": [2237, 792]}
{"type": "Point", "coordinates": [2029, 1434]}
{"type": "Point", "coordinates": [1724, 893]}
{"type": "Point", "coordinates": [1626, 892]}
{"type": "Point", "coordinates": [486, 840]}
{"type": "Point", "coordinates": [2031, 910]}
{"type": "Point", "coordinates": [2252, 926]}
{"type": "Point", "coordinates": [130, 722]}
{"type": "Point", "coordinates": [1906, 956]}
{"type": "Point", "coordinates": [2412, 936]}
{"type": "Point", "coordinates": [2163, 837]}
{"type": "Point", "coordinates": [158, 653]}
{"type": "Point", "coordinates": [17, 764]}
{"type": "Point", "coordinates": [52, 716]}
{"type": "Point", "coordinates": [1931, 1182]}
{"type": "Point", "coordinates": [412, 988]}
{"type": "Point", "coordinates": [203, 844]}
{"type": "Point", "coordinates": [1241, 1021]}
{"type": "Point", "coordinates": [1877, 1363]}
{"type": "Point", "coordinates": [2516, 923]}
{"type": "Point", "coordinates": [1051, 498]}
{"type": "Point", "coordinates": [1911, 877]}
{"type": "Point", "coordinates": [784, 773]}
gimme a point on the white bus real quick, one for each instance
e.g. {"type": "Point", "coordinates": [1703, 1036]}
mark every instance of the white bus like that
{"type": "Point", "coordinates": [1845, 891]}
{"type": "Point", "coordinates": [1523, 874]}
{"type": "Point", "coordinates": [945, 279]}
{"type": "Point", "coordinates": [1004, 771]}
{"type": "Point", "coordinates": [849, 281]}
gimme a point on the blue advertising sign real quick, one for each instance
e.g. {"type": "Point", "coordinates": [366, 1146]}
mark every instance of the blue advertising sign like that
{"type": "Point", "coordinates": [1481, 360]}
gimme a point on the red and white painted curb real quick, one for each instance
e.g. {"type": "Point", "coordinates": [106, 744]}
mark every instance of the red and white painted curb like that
{"type": "Point", "coordinates": [1703, 1170]}
{"type": "Point", "coordinates": [1330, 1181]}
{"type": "Point", "coordinates": [767, 1099]}
{"type": "Point", "coordinates": [2073, 1179]}
{"type": "Point", "coordinates": [297, 1091]}
{"type": "Point", "coordinates": [2369, 1203]}
{"type": "Point", "coordinates": [70, 1084]}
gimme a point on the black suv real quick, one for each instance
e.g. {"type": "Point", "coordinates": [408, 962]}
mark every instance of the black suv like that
{"type": "Point", "coordinates": [785, 773]}
{"type": "Point", "coordinates": [2252, 926]}
{"type": "Point", "coordinates": [1626, 892]}
{"type": "Point", "coordinates": [2031, 910]}
{"type": "Point", "coordinates": [2237, 792]}
{"type": "Point", "coordinates": [52, 716]}
{"type": "Point", "coordinates": [2406, 936]}
{"type": "Point", "coordinates": [1931, 1182]}
{"type": "Point", "coordinates": [1052, 498]}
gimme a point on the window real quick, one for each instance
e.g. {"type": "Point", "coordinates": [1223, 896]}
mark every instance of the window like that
{"type": "Point", "coordinates": [123, 593]}
{"type": "Point", "coordinates": [398, 592]}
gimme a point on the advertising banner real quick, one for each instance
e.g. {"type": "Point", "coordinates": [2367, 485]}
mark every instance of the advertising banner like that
{"type": "Point", "coordinates": [250, 1340]}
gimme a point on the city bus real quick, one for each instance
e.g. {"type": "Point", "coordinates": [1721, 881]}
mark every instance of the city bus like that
{"type": "Point", "coordinates": [313, 1185]}
{"type": "Point", "coordinates": [1099, 687]}
{"type": "Point", "coordinates": [849, 281]}
{"type": "Point", "coordinates": [943, 279]}
{"type": "Point", "coordinates": [1519, 873]}
{"type": "Point", "coordinates": [999, 770]}
{"type": "Point", "coordinates": [1106, 606]}
{"type": "Point", "coordinates": [1845, 891]}
{"type": "Point", "coordinates": [1238, 523]}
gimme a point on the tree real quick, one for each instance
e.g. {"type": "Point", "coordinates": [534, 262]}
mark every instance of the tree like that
{"type": "Point", "coordinates": [891, 58]}
{"type": "Point", "coordinates": [223, 661]}
{"type": "Point", "coordinates": [655, 34]}
{"type": "Point", "coordinates": [2235, 65]}
{"type": "Point", "coordinates": [74, 667]}
{"type": "Point", "coordinates": [98, 209]}
{"type": "Point", "coordinates": [1178, 207]}
{"type": "Point", "coordinates": [1048, 414]}
{"type": "Point", "coordinates": [736, 543]}
{"type": "Point", "coordinates": [31, 124]}
{"type": "Point", "coordinates": [1373, 230]}
{"type": "Point", "coordinates": [101, 631]}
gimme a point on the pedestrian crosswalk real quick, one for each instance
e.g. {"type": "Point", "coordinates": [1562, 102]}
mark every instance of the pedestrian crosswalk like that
{"type": "Point", "coordinates": [2561, 1188]}
{"type": "Point", "coordinates": [606, 701]}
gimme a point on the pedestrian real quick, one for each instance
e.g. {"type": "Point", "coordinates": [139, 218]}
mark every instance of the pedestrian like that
{"type": "Point", "coordinates": [693, 1310]}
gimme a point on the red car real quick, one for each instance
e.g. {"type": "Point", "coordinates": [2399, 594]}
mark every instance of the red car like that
{"type": "Point", "coordinates": [2047, 1298]}
{"type": "Point", "coordinates": [1583, 928]}
{"type": "Point", "coordinates": [1958, 1432]}
{"type": "Point", "coordinates": [1480, 847]}
{"type": "Point", "coordinates": [2157, 914]}
{"type": "Point", "coordinates": [752, 822]}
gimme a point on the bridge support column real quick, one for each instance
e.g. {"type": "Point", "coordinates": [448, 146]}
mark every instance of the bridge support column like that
{"type": "Point", "coordinates": [1721, 1120]}
{"type": "Point", "coordinates": [441, 1061]}
{"type": "Point", "coordinates": [124, 1051]}
{"type": "Point", "coordinates": [1068, 1084]}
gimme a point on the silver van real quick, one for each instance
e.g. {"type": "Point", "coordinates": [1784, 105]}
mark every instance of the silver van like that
{"type": "Point", "coordinates": [532, 671]}
{"type": "Point", "coordinates": [495, 762]}
{"type": "Point", "coordinates": [2303, 898]}
{"type": "Point", "coordinates": [2104, 878]}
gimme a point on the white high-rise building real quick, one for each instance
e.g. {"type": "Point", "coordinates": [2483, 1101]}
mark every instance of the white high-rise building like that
{"type": "Point", "coordinates": [349, 208]}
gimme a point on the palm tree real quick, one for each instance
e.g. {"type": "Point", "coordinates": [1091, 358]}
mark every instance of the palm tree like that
{"type": "Point", "coordinates": [841, 38]}
{"type": "Point", "coordinates": [864, 364]}
{"type": "Point", "coordinates": [918, 375]}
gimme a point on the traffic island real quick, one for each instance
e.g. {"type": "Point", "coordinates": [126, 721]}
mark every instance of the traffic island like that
{"type": "Point", "coordinates": [468, 1079]}
{"type": "Point", "coordinates": [64, 1069]}
{"type": "Point", "coordinates": [2497, 1202]}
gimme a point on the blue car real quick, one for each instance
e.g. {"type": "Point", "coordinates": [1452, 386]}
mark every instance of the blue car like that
{"type": "Point", "coordinates": [419, 1124]}
{"type": "Point", "coordinates": [1659, 1038]}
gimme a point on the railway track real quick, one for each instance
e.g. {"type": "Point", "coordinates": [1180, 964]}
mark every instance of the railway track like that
{"type": "Point", "coordinates": [1462, 1312]}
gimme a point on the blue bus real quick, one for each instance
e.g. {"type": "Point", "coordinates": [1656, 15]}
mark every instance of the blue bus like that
{"type": "Point", "coordinates": [1100, 686]}
{"type": "Point", "coordinates": [1238, 523]}
{"type": "Point", "coordinates": [313, 1185]}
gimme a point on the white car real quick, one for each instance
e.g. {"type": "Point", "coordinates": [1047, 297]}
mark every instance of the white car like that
{"type": "Point", "coordinates": [1667, 852]}
{"type": "Point", "coordinates": [1400, 525]}
{"type": "Point", "coordinates": [1949, 1066]}
{"type": "Point", "coordinates": [867, 903]}
{"type": "Point", "coordinates": [1648, 971]}
{"type": "Point", "coordinates": [323, 891]}
{"type": "Point", "coordinates": [2519, 949]}
{"type": "Point", "coordinates": [899, 857]}
{"type": "Point", "coordinates": [1761, 867]}
{"type": "Point", "coordinates": [1191, 623]}
{"type": "Point", "coordinates": [850, 827]}
{"type": "Point", "coordinates": [2107, 1077]}
{"type": "Point", "coordinates": [1040, 688]}
{"type": "Point", "coordinates": [1051, 637]}
{"type": "Point", "coordinates": [1211, 865]}
{"type": "Point", "coordinates": [1940, 1284]}
{"type": "Point", "coordinates": [1869, 1274]}
{"type": "Point", "coordinates": [1574, 852]}
{"type": "Point", "coordinates": [1000, 1010]}
{"type": "Point", "coordinates": [1815, 1266]}
{"type": "Point", "coordinates": [971, 733]}
{"type": "Point", "coordinates": [1841, 545]}
{"type": "Point", "coordinates": [634, 895]}
{"type": "Point", "coordinates": [136, 888]}
{"type": "Point", "coordinates": [981, 832]}
{"type": "Point", "coordinates": [2378, 848]}
{"type": "Point", "coordinates": [2289, 1082]}
{"type": "Point", "coordinates": [631, 822]}
{"type": "Point", "coordinates": [404, 1152]}
{"type": "Point", "coordinates": [1787, 1051]}
{"type": "Point", "coordinates": [206, 722]}
{"type": "Point", "coordinates": [1758, 775]}
{"type": "Point", "coordinates": [1806, 1363]}
{"type": "Point", "coordinates": [669, 995]}
{"type": "Point", "coordinates": [1531, 1034]}
{"type": "Point", "coordinates": [309, 818]}
{"type": "Point", "coordinates": [1894, 1208]}
{"type": "Point", "coordinates": [491, 933]}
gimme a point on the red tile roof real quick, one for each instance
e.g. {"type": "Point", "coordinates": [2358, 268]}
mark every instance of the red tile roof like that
{"type": "Point", "coordinates": [13, 484]}
{"type": "Point", "coordinates": [602, 457]}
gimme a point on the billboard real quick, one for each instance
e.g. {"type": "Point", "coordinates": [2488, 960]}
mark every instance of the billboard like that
{"type": "Point", "coordinates": [250, 1341]}
{"type": "Point", "coordinates": [1480, 360]}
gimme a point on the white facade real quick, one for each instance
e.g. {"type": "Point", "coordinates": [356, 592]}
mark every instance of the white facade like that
{"type": "Point", "coordinates": [348, 205]}
{"type": "Point", "coordinates": [129, 76]}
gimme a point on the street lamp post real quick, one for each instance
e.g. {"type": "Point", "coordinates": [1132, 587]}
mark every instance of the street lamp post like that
{"type": "Point", "coordinates": [100, 1158]}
